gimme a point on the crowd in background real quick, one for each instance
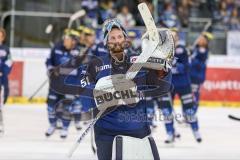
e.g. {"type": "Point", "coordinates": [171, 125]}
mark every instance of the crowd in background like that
{"type": "Point", "coordinates": [170, 13]}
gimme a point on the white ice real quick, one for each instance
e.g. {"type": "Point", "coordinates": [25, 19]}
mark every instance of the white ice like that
{"type": "Point", "coordinates": [25, 126]}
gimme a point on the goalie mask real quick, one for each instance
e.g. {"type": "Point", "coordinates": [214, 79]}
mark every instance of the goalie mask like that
{"type": "Point", "coordinates": [117, 41]}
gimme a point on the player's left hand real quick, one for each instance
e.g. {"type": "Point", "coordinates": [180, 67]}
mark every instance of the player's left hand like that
{"type": "Point", "coordinates": [164, 51]}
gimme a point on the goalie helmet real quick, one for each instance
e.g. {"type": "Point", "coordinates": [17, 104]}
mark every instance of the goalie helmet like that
{"type": "Point", "coordinates": [108, 25]}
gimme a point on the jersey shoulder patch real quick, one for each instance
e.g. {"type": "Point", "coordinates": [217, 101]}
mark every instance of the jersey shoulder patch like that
{"type": "Point", "coordinates": [133, 59]}
{"type": "Point", "coordinates": [57, 51]}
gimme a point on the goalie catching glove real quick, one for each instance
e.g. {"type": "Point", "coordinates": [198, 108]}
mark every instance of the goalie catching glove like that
{"type": "Point", "coordinates": [162, 57]}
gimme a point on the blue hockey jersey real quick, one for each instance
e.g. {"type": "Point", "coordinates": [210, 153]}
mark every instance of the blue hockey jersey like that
{"type": "Point", "coordinates": [5, 63]}
{"type": "Point", "coordinates": [99, 49]}
{"type": "Point", "coordinates": [123, 118]}
{"type": "Point", "coordinates": [180, 69]}
{"type": "Point", "coordinates": [60, 55]}
{"type": "Point", "coordinates": [198, 65]}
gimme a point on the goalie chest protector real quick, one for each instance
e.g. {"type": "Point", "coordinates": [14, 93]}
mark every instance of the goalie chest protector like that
{"type": "Point", "coordinates": [116, 119]}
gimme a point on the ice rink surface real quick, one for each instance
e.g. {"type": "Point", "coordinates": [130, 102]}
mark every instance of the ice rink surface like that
{"type": "Point", "coordinates": [25, 126]}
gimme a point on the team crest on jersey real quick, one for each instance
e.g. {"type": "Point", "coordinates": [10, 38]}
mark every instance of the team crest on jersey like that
{"type": "Point", "coordinates": [104, 67]}
{"type": "Point", "coordinates": [74, 52]}
{"type": "Point", "coordinates": [102, 50]}
{"type": "Point", "coordinates": [202, 50]}
{"type": "Point", "coordinates": [58, 51]}
{"type": "Point", "coordinates": [3, 53]}
{"type": "Point", "coordinates": [179, 51]}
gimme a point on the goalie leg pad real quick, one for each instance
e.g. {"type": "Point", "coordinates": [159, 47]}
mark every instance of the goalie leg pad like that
{"type": "Point", "coordinates": [125, 147]}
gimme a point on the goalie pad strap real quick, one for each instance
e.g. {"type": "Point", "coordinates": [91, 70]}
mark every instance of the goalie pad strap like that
{"type": "Point", "coordinates": [119, 147]}
{"type": "Point", "coordinates": [154, 148]}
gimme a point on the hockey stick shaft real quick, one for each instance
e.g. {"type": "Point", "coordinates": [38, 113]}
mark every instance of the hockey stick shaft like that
{"type": "Point", "coordinates": [75, 16]}
{"type": "Point", "coordinates": [39, 88]}
{"type": "Point", "coordinates": [92, 138]}
{"type": "Point", "coordinates": [85, 133]}
{"type": "Point", "coordinates": [206, 27]}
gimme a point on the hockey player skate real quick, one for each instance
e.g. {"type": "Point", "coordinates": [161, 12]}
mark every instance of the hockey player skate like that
{"type": "Point", "coordinates": [63, 133]}
{"type": "Point", "coordinates": [172, 137]}
{"type": "Point", "coordinates": [50, 131]}
{"type": "Point", "coordinates": [78, 126]}
{"type": "Point", "coordinates": [154, 125]}
{"type": "Point", "coordinates": [197, 136]}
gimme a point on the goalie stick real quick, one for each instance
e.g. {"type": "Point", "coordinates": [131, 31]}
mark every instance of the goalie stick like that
{"type": "Point", "coordinates": [234, 117]}
{"type": "Point", "coordinates": [133, 70]}
{"type": "Point", "coordinates": [153, 36]}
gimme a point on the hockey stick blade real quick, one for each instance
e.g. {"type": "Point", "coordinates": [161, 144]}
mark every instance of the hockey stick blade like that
{"type": "Point", "coordinates": [49, 29]}
{"type": "Point", "coordinates": [148, 21]}
{"type": "Point", "coordinates": [233, 117]}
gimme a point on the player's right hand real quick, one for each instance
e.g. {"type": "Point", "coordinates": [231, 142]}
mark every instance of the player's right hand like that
{"type": "Point", "coordinates": [54, 71]}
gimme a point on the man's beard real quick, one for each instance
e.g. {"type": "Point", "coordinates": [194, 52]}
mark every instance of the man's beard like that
{"type": "Point", "coordinates": [118, 47]}
{"type": "Point", "coordinates": [115, 47]}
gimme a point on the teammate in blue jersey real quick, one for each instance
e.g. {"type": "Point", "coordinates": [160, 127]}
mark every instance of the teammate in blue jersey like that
{"type": "Point", "coordinates": [88, 41]}
{"type": "Point", "coordinates": [81, 34]}
{"type": "Point", "coordinates": [5, 65]}
{"type": "Point", "coordinates": [99, 49]}
{"type": "Point", "coordinates": [182, 87]}
{"type": "Point", "coordinates": [61, 53]}
{"type": "Point", "coordinates": [88, 38]}
{"type": "Point", "coordinates": [198, 64]}
{"type": "Point", "coordinates": [123, 118]}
